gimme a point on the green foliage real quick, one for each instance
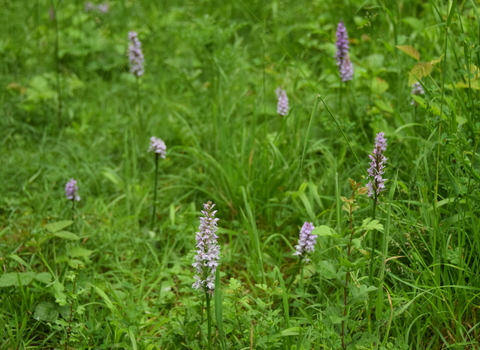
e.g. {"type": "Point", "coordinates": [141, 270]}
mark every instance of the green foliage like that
{"type": "Point", "coordinates": [96, 275]}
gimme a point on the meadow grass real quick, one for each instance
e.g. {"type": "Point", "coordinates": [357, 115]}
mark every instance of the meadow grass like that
{"type": "Point", "coordinates": [114, 278]}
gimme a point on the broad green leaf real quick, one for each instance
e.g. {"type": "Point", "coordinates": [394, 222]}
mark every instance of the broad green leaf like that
{"type": "Point", "coordinates": [336, 319]}
{"type": "Point", "coordinates": [79, 251]}
{"type": "Point", "coordinates": [378, 86]}
{"type": "Point", "coordinates": [58, 226]}
{"type": "Point", "coordinates": [327, 270]}
{"type": "Point", "coordinates": [383, 105]}
{"type": "Point", "coordinates": [44, 277]}
{"type": "Point", "coordinates": [75, 263]}
{"type": "Point", "coordinates": [346, 263]}
{"type": "Point", "coordinates": [409, 50]}
{"type": "Point", "coordinates": [46, 311]}
{"type": "Point", "coordinates": [66, 235]}
{"type": "Point", "coordinates": [60, 296]}
{"type": "Point", "coordinates": [16, 278]}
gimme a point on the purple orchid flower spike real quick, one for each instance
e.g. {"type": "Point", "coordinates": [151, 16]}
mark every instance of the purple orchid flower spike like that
{"type": "Point", "coordinates": [377, 166]}
{"type": "Point", "coordinates": [208, 251]}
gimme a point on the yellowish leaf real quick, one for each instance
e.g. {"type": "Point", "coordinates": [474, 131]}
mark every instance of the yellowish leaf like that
{"type": "Point", "coordinates": [437, 61]}
{"type": "Point", "coordinates": [409, 50]}
{"type": "Point", "coordinates": [473, 85]}
{"type": "Point", "coordinates": [419, 71]}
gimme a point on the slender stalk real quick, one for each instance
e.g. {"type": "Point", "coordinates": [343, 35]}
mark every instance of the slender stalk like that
{"type": "Point", "coordinates": [209, 322]}
{"type": "Point", "coordinates": [69, 329]}
{"type": "Point", "coordinates": [340, 97]}
{"type": "Point", "coordinates": [347, 275]}
{"type": "Point", "coordinates": [370, 276]}
{"type": "Point", "coordinates": [374, 238]}
{"type": "Point", "coordinates": [139, 106]}
{"type": "Point", "coordinates": [73, 209]}
{"type": "Point", "coordinates": [300, 266]}
{"type": "Point", "coordinates": [155, 190]}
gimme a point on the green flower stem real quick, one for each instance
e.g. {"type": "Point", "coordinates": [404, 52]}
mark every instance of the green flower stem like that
{"type": "Point", "coordinates": [155, 192]}
{"type": "Point", "coordinates": [209, 322]}
{"type": "Point", "coordinates": [300, 265]}
{"type": "Point", "coordinates": [374, 238]}
{"type": "Point", "coordinates": [370, 276]}
{"type": "Point", "coordinates": [347, 275]}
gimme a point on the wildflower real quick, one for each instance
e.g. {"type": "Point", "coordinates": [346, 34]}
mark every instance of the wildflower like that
{"type": "Point", "coordinates": [346, 69]}
{"type": "Point", "coordinates": [306, 241]}
{"type": "Point", "coordinates": [135, 55]}
{"type": "Point", "coordinates": [282, 105]}
{"type": "Point", "coordinates": [103, 8]}
{"type": "Point", "coordinates": [417, 89]}
{"type": "Point", "coordinates": [89, 7]}
{"type": "Point", "coordinates": [208, 251]}
{"type": "Point", "coordinates": [158, 146]}
{"type": "Point", "coordinates": [71, 190]}
{"type": "Point", "coordinates": [345, 66]}
{"type": "Point", "coordinates": [377, 166]}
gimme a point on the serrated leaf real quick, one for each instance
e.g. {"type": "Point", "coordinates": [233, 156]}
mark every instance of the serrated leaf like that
{"type": "Point", "coordinates": [324, 230]}
{"type": "Point", "coordinates": [409, 50]}
{"type": "Point", "coordinates": [356, 243]}
{"type": "Point", "coordinates": [76, 252]}
{"type": "Point", "coordinates": [46, 311]}
{"type": "Point", "coordinates": [75, 263]}
{"type": "Point", "coordinates": [44, 277]}
{"type": "Point", "coordinates": [419, 71]}
{"type": "Point", "coordinates": [370, 224]}
{"type": "Point", "coordinates": [66, 235]}
{"type": "Point", "coordinates": [234, 285]}
{"type": "Point", "coordinates": [16, 278]}
{"type": "Point", "coordinates": [58, 226]}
